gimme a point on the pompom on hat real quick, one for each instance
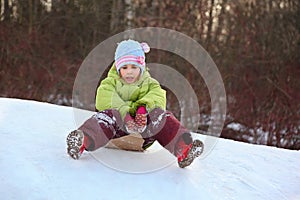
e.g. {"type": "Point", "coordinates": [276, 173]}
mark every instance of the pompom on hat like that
{"type": "Point", "coordinates": [131, 52]}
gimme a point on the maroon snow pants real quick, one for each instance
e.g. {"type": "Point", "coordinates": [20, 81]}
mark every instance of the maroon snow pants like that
{"type": "Point", "coordinates": [162, 126]}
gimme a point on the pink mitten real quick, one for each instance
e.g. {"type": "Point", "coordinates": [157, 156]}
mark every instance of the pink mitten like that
{"type": "Point", "coordinates": [141, 119]}
{"type": "Point", "coordinates": [130, 125]}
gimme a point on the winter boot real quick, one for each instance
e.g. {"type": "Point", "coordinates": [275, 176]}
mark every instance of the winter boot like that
{"type": "Point", "coordinates": [187, 150]}
{"type": "Point", "coordinates": [75, 144]}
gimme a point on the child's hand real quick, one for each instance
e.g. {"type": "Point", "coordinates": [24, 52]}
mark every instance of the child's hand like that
{"type": "Point", "coordinates": [130, 124]}
{"type": "Point", "coordinates": [141, 119]}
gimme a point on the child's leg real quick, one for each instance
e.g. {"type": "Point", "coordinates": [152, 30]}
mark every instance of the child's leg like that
{"type": "Point", "coordinates": [100, 128]}
{"type": "Point", "coordinates": [166, 129]}
{"type": "Point", "coordinates": [174, 137]}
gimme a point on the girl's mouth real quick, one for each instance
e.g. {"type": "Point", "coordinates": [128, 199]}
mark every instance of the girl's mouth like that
{"type": "Point", "coordinates": [129, 79]}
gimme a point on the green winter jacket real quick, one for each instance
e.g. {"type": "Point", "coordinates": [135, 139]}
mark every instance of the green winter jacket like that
{"type": "Point", "coordinates": [114, 93]}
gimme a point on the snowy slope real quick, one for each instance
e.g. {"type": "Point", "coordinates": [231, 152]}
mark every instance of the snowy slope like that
{"type": "Point", "coordinates": [34, 165]}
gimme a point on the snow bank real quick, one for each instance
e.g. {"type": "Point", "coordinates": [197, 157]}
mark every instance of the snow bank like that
{"type": "Point", "coordinates": [34, 165]}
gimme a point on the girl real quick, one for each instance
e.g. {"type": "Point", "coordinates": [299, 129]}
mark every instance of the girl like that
{"type": "Point", "coordinates": [130, 101]}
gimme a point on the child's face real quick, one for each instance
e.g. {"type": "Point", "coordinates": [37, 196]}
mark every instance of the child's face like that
{"type": "Point", "coordinates": [130, 73]}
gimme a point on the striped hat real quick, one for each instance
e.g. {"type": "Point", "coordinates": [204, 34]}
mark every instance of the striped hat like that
{"type": "Point", "coordinates": [131, 52]}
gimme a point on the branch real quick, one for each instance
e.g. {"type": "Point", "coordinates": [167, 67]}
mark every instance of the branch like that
{"type": "Point", "coordinates": [279, 88]}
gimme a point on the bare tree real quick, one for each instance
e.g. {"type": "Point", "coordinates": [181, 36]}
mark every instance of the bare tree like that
{"type": "Point", "coordinates": [255, 45]}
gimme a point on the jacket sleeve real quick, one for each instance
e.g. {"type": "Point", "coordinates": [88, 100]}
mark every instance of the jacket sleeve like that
{"type": "Point", "coordinates": [153, 96]}
{"type": "Point", "coordinates": [108, 98]}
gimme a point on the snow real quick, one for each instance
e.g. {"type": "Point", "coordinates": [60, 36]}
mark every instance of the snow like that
{"type": "Point", "coordinates": [34, 164]}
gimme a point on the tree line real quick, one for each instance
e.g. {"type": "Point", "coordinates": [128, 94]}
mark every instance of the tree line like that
{"type": "Point", "coordinates": [255, 45]}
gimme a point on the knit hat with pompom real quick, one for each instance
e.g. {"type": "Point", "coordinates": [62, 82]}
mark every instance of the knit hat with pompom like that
{"type": "Point", "coordinates": [131, 52]}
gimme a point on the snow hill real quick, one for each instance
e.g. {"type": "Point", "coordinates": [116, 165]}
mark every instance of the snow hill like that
{"type": "Point", "coordinates": [34, 165]}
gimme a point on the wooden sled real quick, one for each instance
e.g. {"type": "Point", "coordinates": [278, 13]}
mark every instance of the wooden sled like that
{"type": "Point", "coordinates": [132, 142]}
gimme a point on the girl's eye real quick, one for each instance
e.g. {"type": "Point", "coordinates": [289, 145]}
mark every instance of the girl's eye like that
{"type": "Point", "coordinates": [124, 67]}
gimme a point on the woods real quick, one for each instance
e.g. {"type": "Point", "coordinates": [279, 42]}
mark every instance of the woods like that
{"type": "Point", "coordinates": [255, 45]}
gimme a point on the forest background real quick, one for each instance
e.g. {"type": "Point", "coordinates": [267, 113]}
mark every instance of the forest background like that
{"type": "Point", "coordinates": [255, 45]}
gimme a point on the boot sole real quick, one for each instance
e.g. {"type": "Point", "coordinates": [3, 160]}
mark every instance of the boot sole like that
{"type": "Point", "coordinates": [195, 151]}
{"type": "Point", "coordinates": [74, 142]}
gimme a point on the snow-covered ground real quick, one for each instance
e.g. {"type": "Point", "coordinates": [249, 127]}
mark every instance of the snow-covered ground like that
{"type": "Point", "coordinates": [34, 165]}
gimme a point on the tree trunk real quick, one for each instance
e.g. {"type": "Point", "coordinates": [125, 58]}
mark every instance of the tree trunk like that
{"type": "Point", "coordinates": [116, 16]}
{"type": "Point", "coordinates": [7, 11]}
{"type": "Point", "coordinates": [30, 16]}
{"type": "Point", "coordinates": [210, 25]}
